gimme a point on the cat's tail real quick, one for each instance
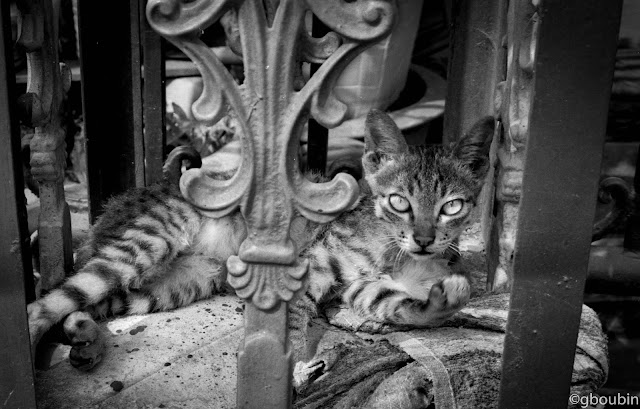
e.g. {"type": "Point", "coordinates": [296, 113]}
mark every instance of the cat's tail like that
{"type": "Point", "coordinates": [125, 262]}
{"type": "Point", "coordinates": [99, 291]}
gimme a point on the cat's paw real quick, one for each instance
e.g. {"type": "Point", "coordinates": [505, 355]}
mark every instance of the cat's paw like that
{"type": "Point", "coordinates": [306, 372]}
{"type": "Point", "coordinates": [452, 293]}
{"type": "Point", "coordinates": [87, 340]}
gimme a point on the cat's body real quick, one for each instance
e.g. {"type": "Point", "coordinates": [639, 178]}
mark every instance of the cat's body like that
{"type": "Point", "coordinates": [391, 259]}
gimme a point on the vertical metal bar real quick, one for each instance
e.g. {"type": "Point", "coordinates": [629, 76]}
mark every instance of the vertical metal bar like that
{"type": "Point", "coordinates": [476, 63]}
{"type": "Point", "coordinates": [318, 135]}
{"type": "Point", "coordinates": [573, 71]}
{"type": "Point", "coordinates": [135, 70]}
{"type": "Point", "coordinates": [47, 82]}
{"type": "Point", "coordinates": [16, 377]}
{"type": "Point", "coordinates": [263, 360]}
{"type": "Point", "coordinates": [153, 100]}
{"type": "Point", "coordinates": [267, 187]}
{"type": "Point", "coordinates": [110, 73]}
{"type": "Point", "coordinates": [632, 234]}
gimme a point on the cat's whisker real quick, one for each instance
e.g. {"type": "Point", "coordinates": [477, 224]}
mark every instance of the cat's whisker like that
{"type": "Point", "coordinates": [388, 243]}
{"type": "Point", "coordinates": [399, 256]}
{"type": "Point", "coordinates": [384, 251]}
{"type": "Point", "coordinates": [455, 248]}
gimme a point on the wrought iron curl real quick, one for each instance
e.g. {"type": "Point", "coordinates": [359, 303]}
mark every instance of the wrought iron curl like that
{"type": "Point", "coordinates": [47, 82]}
{"type": "Point", "coordinates": [268, 187]}
{"type": "Point", "coordinates": [513, 100]}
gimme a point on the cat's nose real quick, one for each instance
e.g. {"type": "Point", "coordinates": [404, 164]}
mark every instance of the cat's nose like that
{"type": "Point", "coordinates": [423, 241]}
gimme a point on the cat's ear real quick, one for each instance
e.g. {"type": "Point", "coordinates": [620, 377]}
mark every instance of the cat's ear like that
{"type": "Point", "coordinates": [382, 135]}
{"type": "Point", "coordinates": [473, 149]}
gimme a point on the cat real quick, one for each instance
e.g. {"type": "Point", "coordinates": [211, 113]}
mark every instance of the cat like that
{"type": "Point", "coordinates": [392, 258]}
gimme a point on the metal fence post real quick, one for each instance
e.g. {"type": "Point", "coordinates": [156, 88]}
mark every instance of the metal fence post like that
{"type": "Point", "coordinates": [153, 100]}
{"type": "Point", "coordinates": [111, 98]}
{"type": "Point", "coordinates": [16, 376]}
{"type": "Point", "coordinates": [572, 68]}
{"type": "Point", "coordinates": [46, 85]}
{"type": "Point", "coordinates": [476, 63]}
{"type": "Point", "coordinates": [269, 188]}
{"type": "Point", "coordinates": [476, 74]}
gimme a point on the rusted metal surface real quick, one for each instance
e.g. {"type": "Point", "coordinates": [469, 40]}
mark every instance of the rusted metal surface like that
{"type": "Point", "coordinates": [112, 107]}
{"type": "Point", "coordinates": [16, 376]}
{"type": "Point", "coordinates": [572, 69]}
{"type": "Point", "coordinates": [269, 188]}
{"type": "Point", "coordinates": [476, 68]}
{"type": "Point", "coordinates": [153, 103]}
{"type": "Point", "coordinates": [632, 234]}
{"type": "Point", "coordinates": [513, 98]}
{"type": "Point", "coordinates": [476, 65]}
{"type": "Point", "coordinates": [47, 82]}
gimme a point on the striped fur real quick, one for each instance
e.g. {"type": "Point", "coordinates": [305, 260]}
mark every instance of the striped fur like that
{"type": "Point", "coordinates": [394, 258]}
{"type": "Point", "coordinates": [149, 251]}
{"type": "Point", "coordinates": [390, 258]}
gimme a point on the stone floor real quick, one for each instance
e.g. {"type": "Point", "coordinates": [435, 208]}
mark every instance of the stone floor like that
{"type": "Point", "coordinates": [179, 359]}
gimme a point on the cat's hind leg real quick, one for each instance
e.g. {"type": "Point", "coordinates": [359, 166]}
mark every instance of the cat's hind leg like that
{"type": "Point", "coordinates": [190, 277]}
{"type": "Point", "coordinates": [301, 311]}
{"type": "Point", "coordinates": [88, 287]}
{"type": "Point", "coordinates": [187, 279]}
{"type": "Point", "coordinates": [86, 338]}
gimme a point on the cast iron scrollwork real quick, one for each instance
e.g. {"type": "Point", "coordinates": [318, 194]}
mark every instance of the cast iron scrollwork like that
{"type": "Point", "coordinates": [268, 187]}
{"type": "Point", "coordinates": [514, 97]}
{"type": "Point", "coordinates": [616, 193]}
{"type": "Point", "coordinates": [47, 82]}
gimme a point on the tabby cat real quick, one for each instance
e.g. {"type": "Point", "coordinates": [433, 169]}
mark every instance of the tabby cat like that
{"type": "Point", "coordinates": [392, 258]}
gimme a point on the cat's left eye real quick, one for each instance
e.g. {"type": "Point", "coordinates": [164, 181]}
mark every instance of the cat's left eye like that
{"type": "Point", "coordinates": [452, 207]}
{"type": "Point", "coordinates": [399, 203]}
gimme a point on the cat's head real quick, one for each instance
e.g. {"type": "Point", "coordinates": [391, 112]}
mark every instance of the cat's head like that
{"type": "Point", "coordinates": [425, 193]}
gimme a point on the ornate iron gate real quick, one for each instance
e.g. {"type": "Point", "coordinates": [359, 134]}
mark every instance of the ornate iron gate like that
{"type": "Point", "coordinates": [553, 102]}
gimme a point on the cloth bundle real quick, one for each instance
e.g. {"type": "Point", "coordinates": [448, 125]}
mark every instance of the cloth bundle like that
{"type": "Point", "coordinates": [455, 366]}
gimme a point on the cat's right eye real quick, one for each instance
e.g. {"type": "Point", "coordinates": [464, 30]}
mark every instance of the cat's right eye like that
{"type": "Point", "coordinates": [452, 207]}
{"type": "Point", "coordinates": [399, 203]}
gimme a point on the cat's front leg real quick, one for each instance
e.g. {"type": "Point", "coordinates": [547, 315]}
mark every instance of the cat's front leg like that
{"type": "Point", "coordinates": [451, 293]}
{"type": "Point", "coordinates": [301, 311]}
{"type": "Point", "coordinates": [384, 299]}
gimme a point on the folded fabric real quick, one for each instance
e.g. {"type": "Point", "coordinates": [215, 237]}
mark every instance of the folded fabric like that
{"type": "Point", "coordinates": [454, 366]}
